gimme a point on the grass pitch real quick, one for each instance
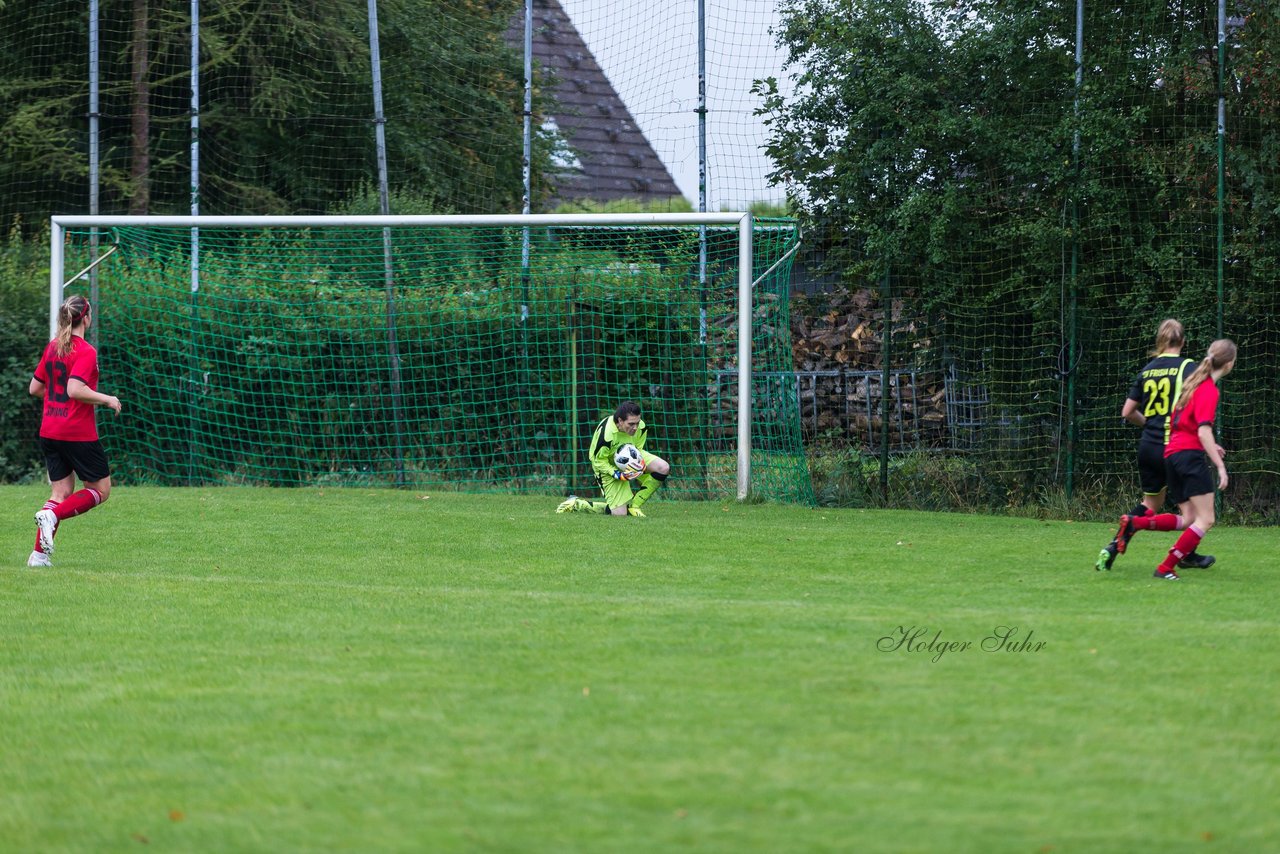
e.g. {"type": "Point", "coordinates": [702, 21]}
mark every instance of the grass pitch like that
{"type": "Point", "coordinates": [357, 670]}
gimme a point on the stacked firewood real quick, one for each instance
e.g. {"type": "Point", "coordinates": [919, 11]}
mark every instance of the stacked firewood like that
{"type": "Point", "coordinates": [837, 345]}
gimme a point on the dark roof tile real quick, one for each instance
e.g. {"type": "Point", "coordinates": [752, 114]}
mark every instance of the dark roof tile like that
{"type": "Point", "coordinates": [617, 160]}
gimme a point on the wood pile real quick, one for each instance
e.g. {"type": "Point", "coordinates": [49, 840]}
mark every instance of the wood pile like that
{"type": "Point", "coordinates": [837, 346]}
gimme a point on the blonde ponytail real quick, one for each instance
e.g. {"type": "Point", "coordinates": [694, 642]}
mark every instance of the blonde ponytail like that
{"type": "Point", "coordinates": [72, 313]}
{"type": "Point", "coordinates": [1221, 352]}
{"type": "Point", "coordinates": [1168, 336]}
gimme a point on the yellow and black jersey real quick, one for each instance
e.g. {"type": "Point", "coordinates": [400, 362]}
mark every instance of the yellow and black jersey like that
{"type": "Point", "coordinates": [1156, 389]}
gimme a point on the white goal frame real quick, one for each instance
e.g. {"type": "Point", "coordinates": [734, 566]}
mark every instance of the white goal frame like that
{"type": "Point", "coordinates": [744, 222]}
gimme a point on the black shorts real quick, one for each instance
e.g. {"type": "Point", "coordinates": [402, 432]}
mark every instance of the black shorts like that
{"type": "Point", "coordinates": [86, 459]}
{"type": "Point", "coordinates": [1189, 475]}
{"type": "Point", "coordinates": [1151, 468]}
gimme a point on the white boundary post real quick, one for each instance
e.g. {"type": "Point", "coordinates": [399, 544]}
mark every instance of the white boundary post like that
{"type": "Point", "coordinates": [56, 265]}
{"type": "Point", "coordinates": [744, 221]}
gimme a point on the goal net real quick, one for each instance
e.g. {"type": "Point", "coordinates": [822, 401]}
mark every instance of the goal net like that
{"type": "Point", "coordinates": [469, 353]}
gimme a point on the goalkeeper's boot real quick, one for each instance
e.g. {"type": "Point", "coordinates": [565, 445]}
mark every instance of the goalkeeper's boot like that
{"type": "Point", "coordinates": [1195, 560]}
{"type": "Point", "coordinates": [636, 511]}
{"type": "Point", "coordinates": [39, 559]}
{"type": "Point", "coordinates": [1126, 531]}
{"type": "Point", "coordinates": [1106, 557]}
{"type": "Point", "coordinates": [568, 505]}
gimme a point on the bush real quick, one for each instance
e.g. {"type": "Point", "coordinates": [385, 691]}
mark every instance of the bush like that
{"type": "Point", "coordinates": [24, 330]}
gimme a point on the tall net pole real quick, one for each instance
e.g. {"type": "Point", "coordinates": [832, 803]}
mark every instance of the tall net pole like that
{"type": "Point", "coordinates": [702, 156]}
{"type": "Point", "coordinates": [1222, 152]}
{"type": "Point", "coordinates": [193, 366]}
{"type": "Point", "coordinates": [94, 178]}
{"type": "Point", "coordinates": [388, 272]}
{"type": "Point", "coordinates": [1068, 365]}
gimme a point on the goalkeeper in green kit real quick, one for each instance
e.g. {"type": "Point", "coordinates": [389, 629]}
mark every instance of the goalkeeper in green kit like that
{"type": "Point", "coordinates": [617, 470]}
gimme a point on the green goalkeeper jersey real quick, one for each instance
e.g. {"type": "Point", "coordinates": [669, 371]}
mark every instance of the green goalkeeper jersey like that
{"type": "Point", "coordinates": [607, 440]}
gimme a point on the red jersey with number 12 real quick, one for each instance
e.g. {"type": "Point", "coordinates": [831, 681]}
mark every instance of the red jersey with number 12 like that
{"type": "Point", "coordinates": [64, 418]}
{"type": "Point", "coordinates": [1200, 409]}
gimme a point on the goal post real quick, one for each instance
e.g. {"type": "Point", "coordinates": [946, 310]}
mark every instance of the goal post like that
{"type": "Point", "coordinates": [604, 307]}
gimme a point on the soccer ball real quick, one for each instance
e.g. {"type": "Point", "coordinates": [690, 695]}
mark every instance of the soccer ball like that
{"type": "Point", "coordinates": [629, 459]}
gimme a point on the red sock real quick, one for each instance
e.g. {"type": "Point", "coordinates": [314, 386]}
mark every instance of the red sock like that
{"type": "Point", "coordinates": [79, 502]}
{"type": "Point", "coordinates": [48, 505]}
{"type": "Point", "coordinates": [1185, 545]}
{"type": "Point", "coordinates": [1160, 522]}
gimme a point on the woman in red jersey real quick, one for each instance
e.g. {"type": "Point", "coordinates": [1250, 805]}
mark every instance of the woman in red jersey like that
{"type": "Point", "coordinates": [1154, 392]}
{"type": "Point", "coordinates": [1187, 454]}
{"type": "Point", "coordinates": [67, 379]}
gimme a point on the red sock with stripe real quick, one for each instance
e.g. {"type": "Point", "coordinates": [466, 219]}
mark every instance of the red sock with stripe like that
{"type": "Point", "coordinates": [1158, 522]}
{"type": "Point", "coordinates": [1185, 545]}
{"type": "Point", "coordinates": [79, 502]}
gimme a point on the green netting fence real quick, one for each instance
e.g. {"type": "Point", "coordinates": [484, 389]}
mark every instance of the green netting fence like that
{"type": "Point", "coordinates": [1026, 191]}
{"type": "Point", "coordinates": [1001, 200]}
{"type": "Point", "coordinates": [437, 357]}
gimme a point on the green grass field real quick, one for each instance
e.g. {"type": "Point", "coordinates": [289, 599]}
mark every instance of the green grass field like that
{"type": "Point", "coordinates": [358, 670]}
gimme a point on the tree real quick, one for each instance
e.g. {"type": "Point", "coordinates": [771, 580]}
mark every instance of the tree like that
{"type": "Point", "coordinates": [287, 114]}
{"type": "Point", "coordinates": [140, 112]}
{"type": "Point", "coordinates": [911, 116]}
{"type": "Point", "coordinates": [1036, 225]}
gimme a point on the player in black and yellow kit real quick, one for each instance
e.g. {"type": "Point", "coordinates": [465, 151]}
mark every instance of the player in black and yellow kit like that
{"type": "Point", "coordinates": [623, 427]}
{"type": "Point", "coordinates": [1151, 398]}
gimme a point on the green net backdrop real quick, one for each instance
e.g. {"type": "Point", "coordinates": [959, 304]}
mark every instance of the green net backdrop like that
{"type": "Point", "coordinates": [1007, 238]}
{"type": "Point", "coordinates": [1018, 236]}
{"type": "Point", "coordinates": [437, 359]}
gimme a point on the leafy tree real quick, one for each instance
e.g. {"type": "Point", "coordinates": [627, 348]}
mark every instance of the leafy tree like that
{"type": "Point", "coordinates": [911, 116]}
{"type": "Point", "coordinates": [1034, 223]}
{"type": "Point", "coordinates": [287, 114]}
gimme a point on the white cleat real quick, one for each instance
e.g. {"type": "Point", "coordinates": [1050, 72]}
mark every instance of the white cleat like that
{"type": "Point", "coordinates": [48, 523]}
{"type": "Point", "coordinates": [39, 559]}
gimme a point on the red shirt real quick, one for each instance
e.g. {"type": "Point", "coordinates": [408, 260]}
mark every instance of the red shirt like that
{"type": "Point", "coordinates": [1200, 409]}
{"type": "Point", "coordinates": [64, 418]}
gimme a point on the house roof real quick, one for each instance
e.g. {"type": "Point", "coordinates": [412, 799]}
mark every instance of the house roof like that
{"type": "Point", "coordinates": [616, 160]}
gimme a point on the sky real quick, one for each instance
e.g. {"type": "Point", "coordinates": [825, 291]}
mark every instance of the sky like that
{"type": "Point", "coordinates": [649, 51]}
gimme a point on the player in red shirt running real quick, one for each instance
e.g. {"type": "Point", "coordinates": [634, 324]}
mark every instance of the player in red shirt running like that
{"type": "Point", "coordinates": [1187, 454]}
{"type": "Point", "coordinates": [1154, 392]}
{"type": "Point", "coordinates": [67, 379]}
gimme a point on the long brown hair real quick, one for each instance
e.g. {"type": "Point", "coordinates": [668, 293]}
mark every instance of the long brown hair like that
{"type": "Point", "coordinates": [1169, 335]}
{"type": "Point", "coordinates": [73, 312]}
{"type": "Point", "coordinates": [1221, 352]}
